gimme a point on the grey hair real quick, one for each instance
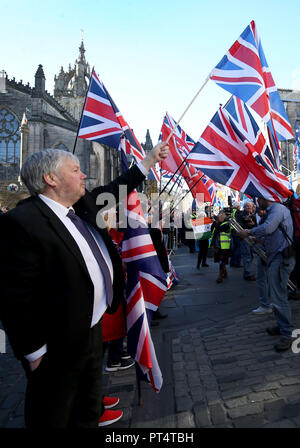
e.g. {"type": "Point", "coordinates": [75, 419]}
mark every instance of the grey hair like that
{"type": "Point", "coordinates": [40, 163]}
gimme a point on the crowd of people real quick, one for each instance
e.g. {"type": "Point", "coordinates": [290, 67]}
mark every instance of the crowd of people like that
{"type": "Point", "coordinates": [63, 305]}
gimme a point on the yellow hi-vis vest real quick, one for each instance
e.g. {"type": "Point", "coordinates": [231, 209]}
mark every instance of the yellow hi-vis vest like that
{"type": "Point", "coordinates": [225, 239]}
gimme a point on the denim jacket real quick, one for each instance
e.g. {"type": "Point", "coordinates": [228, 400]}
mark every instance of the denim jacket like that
{"type": "Point", "coordinates": [274, 239]}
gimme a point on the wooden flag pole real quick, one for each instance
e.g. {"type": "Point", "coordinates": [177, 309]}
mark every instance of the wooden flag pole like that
{"type": "Point", "coordinates": [187, 108]}
{"type": "Point", "coordinates": [177, 124]}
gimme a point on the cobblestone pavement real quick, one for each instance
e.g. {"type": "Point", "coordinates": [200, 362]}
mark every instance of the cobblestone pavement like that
{"type": "Point", "coordinates": [218, 363]}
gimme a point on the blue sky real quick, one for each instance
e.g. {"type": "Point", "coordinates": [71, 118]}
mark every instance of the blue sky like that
{"type": "Point", "coordinates": [151, 55]}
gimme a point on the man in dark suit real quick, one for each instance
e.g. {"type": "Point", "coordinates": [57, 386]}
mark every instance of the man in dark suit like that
{"type": "Point", "coordinates": [60, 272]}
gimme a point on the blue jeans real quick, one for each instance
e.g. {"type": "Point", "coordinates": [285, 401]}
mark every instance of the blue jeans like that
{"type": "Point", "coordinates": [247, 257]}
{"type": "Point", "coordinates": [278, 274]}
{"type": "Point", "coordinates": [262, 284]}
{"type": "Point", "coordinates": [236, 251]}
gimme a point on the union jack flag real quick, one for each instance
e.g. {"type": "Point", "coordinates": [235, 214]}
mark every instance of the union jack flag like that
{"type": "Point", "coordinates": [146, 287]}
{"type": "Point", "coordinates": [212, 188]}
{"type": "Point", "coordinates": [99, 122]}
{"type": "Point", "coordinates": [102, 122]}
{"type": "Point", "coordinates": [180, 146]}
{"type": "Point", "coordinates": [227, 157]}
{"type": "Point", "coordinates": [168, 175]}
{"type": "Point", "coordinates": [244, 72]}
{"type": "Point", "coordinates": [247, 129]}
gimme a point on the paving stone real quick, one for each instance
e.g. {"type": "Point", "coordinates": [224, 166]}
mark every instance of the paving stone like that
{"type": "Point", "coordinates": [187, 348]}
{"type": "Point", "coordinates": [235, 376]}
{"type": "Point", "coordinates": [189, 356]}
{"type": "Point", "coordinates": [235, 393]}
{"type": "Point", "coordinates": [266, 386]}
{"type": "Point", "coordinates": [217, 414]}
{"type": "Point", "coordinates": [192, 382]}
{"type": "Point", "coordinates": [179, 375]}
{"type": "Point", "coordinates": [281, 424]}
{"type": "Point", "coordinates": [289, 381]}
{"type": "Point", "coordinates": [202, 419]}
{"type": "Point", "coordinates": [285, 391]}
{"type": "Point", "coordinates": [212, 397]}
{"type": "Point", "coordinates": [252, 421]}
{"type": "Point", "coordinates": [292, 410]}
{"type": "Point", "coordinates": [185, 420]}
{"type": "Point", "coordinates": [243, 411]}
{"type": "Point", "coordinates": [183, 404]}
{"type": "Point", "coordinates": [228, 360]}
{"type": "Point", "coordinates": [177, 357]}
{"type": "Point", "coordinates": [197, 393]}
{"type": "Point", "coordinates": [236, 402]}
{"type": "Point", "coordinates": [260, 396]}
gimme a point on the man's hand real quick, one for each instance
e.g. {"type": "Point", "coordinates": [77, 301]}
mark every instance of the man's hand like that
{"type": "Point", "coordinates": [243, 234]}
{"type": "Point", "coordinates": [34, 365]}
{"type": "Point", "coordinates": [157, 154]}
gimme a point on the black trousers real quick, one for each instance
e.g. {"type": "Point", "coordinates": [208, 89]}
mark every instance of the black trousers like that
{"type": "Point", "coordinates": [202, 254]}
{"type": "Point", "coordinates": [66, 392]}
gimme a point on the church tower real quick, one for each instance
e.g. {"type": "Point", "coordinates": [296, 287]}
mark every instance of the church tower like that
{"type": "Point", "coordinates": [70, 86]}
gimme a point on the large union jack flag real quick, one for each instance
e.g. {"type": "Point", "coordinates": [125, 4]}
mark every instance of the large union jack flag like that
{"type": "Point", "coordinates": [244, 72]}
{"type": "Point", "coordinates": [225, 155]}
{"type": "Point", "coordinates": [146, 287]}
{"type": "Point", "coordinates": [103, 122]}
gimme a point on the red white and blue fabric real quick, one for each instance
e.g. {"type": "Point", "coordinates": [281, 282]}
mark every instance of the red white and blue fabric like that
{"type": "Point", "coordinates": [145, 289]}
{"type": "Point", "coordinates": [225, 155]}
{"type": "Point", "coordinates": [244, 72]}
{"type": "Point", "coordinates": [102, 122]}
{"type": "Point", "coordinates": [168, 175]}
{"type": "Point", "coordinates": [297, 145]}
{"type": "Point", "coordinates": [180, 145]}
{"type": "Point", "coordinates": [212, 188]}
{"type": "Point", "coordinates": [247, 129]}
{"type": "Point", "coordinates": [99, 122]}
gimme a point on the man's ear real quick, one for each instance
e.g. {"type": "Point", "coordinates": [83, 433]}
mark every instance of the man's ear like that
{"type": "Point", "coordinates": [50, 179]}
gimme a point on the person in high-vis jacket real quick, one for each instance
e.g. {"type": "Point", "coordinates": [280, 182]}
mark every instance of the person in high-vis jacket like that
{"type": "Point", "coordinates": [221, 243]}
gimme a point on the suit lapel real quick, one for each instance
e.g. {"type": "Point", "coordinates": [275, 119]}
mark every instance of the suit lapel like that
{"type": "Point", "coordinates": [61, 231]}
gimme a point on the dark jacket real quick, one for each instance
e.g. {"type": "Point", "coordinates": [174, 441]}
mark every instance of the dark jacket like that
{"type": "Point", "coordinates": [46, 291]}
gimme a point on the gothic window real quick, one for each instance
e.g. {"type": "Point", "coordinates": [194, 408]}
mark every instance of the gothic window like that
{"type": "Point", "coordinates": [9, 145]}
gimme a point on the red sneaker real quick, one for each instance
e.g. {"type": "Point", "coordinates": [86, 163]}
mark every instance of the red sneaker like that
{"type": "Point", "coordinates": [109, 417]}
{"type": "Point", "coordinates": [110, 402]}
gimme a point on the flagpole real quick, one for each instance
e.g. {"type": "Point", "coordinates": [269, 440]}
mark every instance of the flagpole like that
{"type": "Point", "coordinates": [186, 194]}
{"type": "Point", "coordinates": [177, 124]}
{"type": "Point", "coordinates": [187, 108]}
{"type": "Point", "coordinates": [83, 110]}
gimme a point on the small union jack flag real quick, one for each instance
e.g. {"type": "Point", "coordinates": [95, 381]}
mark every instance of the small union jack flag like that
{"type": "Point", "coordinates": [244, 72]}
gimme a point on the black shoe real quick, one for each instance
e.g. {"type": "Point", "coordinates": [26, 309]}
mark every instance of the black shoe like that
{"type": "Point", "coordinates": [250, 278]}
{"type": "Point", "coordinates": [122, 365]}
{"type": "Point", "coordinates": [273, 331]}
{"type": "Point", "coordinates": [204, 265]}
{"type": "Point", "coordinates": [294, 295]}
{"type": "Point", "coordinates": [159, 315]}
{"type": "Point", "coordinates": [283, 344]}
{"type": "Point", "coordinates": [198, 266]}
{"type": "Point", "coordinates": [125, 355]}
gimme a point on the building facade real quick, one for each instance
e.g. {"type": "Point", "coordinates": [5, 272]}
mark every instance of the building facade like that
{"type": "Point", "coordinates": [31, 119]}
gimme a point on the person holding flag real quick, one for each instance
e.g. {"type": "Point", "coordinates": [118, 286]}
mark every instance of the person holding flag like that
{"type": "Point", "coordinates": [60, 271]}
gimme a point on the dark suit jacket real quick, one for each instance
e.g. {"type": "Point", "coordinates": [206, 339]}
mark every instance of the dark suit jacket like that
{"type": "Point", "coordinates": [46, 291]}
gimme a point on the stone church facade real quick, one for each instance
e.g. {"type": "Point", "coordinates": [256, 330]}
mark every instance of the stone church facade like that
{"type": "Point", "coordinates": [31, 119]}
